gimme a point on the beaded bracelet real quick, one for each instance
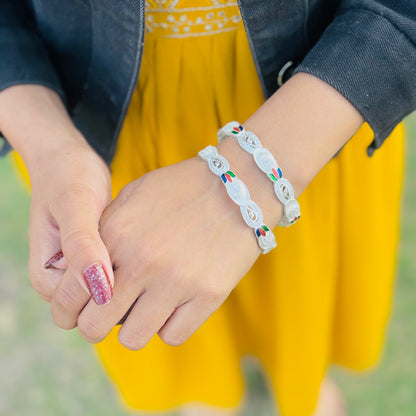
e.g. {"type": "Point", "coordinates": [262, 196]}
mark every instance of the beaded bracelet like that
{"type": "Point", "coordinates": [267, 163]}
{"type": "Point", "coordinates": [239, 193]}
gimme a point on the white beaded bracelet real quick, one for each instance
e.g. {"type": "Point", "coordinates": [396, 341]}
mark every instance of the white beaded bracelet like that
{"type": "Point", "coordinates": [267, 163]}
{"type": "Point", "coordinates": [239, 193]}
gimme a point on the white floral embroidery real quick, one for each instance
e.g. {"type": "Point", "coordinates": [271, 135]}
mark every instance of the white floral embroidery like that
{"type": "Point", "coordinates": [165, 15]}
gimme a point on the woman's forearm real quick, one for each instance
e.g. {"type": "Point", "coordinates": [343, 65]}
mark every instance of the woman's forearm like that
{"type": "Point", "coordinates": [303, 124]}
{"type": "Point", "coordinates": [35, 121]}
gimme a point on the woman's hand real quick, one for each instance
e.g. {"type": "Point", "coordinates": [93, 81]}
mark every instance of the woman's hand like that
{"type": "Point", "coordinates": [178, 246]}
{"type": "Point", "coordinates": [70, 190]}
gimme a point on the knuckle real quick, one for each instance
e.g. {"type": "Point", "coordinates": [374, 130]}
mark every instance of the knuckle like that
{"type": "Point", "coordinates": [111, 234]}
{"type": "Point", "coordinates": [40, 287]}
{"type": "Point", "coordinates": [37, 285]}
{"type": "Point", "coordinates": [213, 293]}
{"type": "Point", "coordinates": [171, 338]}
{"type": "Point", "coordinates": [46, 297]}
{"type": "Point", "coordinates": [90, 330]}
{"type": "Point", "coordinates": [61, 323]}
{"type": "Point", "coordinates": [131, 341]}
{"type": "Point", "coordinates": [78, 237]}
{"type": "Point", "coordinates": [65, 299]}
{"type": "Point", "coordinates": [147, 261]}
{"type": "Point", "coordinates": [78, 191]}
{"type": "Point", "coordinates": [126, 192]}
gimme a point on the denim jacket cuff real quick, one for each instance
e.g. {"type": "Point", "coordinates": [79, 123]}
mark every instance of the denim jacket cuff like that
{"type": "Point", "coordinates": [380, 80]}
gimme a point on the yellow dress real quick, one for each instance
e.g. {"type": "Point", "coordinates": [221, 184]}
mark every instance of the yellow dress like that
{"type": "Point", "coordinates": [323, 296]}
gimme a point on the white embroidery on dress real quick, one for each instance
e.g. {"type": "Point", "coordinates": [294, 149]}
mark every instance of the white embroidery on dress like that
{"type": "Point", "coordinates": [191, 21]}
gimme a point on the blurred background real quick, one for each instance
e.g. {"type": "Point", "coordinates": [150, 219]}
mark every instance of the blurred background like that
{"type": "Point", "coordinates": [46, 371]}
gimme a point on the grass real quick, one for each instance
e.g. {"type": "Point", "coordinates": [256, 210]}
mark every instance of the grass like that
{"type": "Point", "coordinates": [49, 372]}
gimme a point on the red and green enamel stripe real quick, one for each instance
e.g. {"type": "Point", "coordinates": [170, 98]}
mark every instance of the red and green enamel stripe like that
{"type": "Point", "coordinates": [262, 231]}
{"type": "Point", "coordinates": [275, 175]}
{"type": "Point", "coordinates": [237, 129]}
{"type": "Point", "coordinates": [227, 176]}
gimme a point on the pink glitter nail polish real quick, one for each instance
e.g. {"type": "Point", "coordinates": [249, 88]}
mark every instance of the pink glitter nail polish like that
{"type": "Point", "coordinates": [54, 259]}
{"type": "Point", "coordinates": [98, 283]}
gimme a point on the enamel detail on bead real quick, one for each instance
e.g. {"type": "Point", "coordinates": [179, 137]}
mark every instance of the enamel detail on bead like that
{"type": "Point", "coordinates": [239, 194]}
{"type": "Point", "coordinates": [267, 163]}
{"type": "Point", "coordinates": [218, 165]}
{"type": "Point", "coordinates": [265, 160]}
{"type": "Point", "coordinates": [292, 211]}
{"type": "Point", "coordinates": [266, 239]}
{"type": "Point", "coordinates": [233, 128]}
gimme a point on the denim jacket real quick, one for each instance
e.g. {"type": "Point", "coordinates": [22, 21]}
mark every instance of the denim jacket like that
{"type": "Point", "coordinates": [89, 51]}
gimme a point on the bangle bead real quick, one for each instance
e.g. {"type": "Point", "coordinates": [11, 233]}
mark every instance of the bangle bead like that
{"type": "Point", "coordinates": [240, 195]}
{"type": "Point", "coordinates": [267, 163]}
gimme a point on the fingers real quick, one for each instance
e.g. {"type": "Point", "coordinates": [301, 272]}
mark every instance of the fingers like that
{"type": "Point", "coordinates": [68, 301]}
{"type": "Point", "coordinates": [149, 314]}
{"type": "Point", "coordinates": [186, 320]}
{"type": "Point", "coordinates": [160, 309]}
{"type": "Point", "coordinates": [77, 213]}
{"type": "Point", "coordinates": [44, 241]}
{"type": "Point", "coordinates": [57, 261]}
{"type": "Point", "coordinates": [95, 322]}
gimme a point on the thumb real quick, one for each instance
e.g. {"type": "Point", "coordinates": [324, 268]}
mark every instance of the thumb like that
{"type": "Point", "coordinates": [84, 251]}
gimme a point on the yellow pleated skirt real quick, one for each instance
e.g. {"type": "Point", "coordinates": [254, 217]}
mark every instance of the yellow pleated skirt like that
{"type": "Point", "coordinates": [323, 296]}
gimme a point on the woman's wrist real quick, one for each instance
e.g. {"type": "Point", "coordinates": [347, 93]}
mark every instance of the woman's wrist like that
{"type": "Point", "coordinates": [303, 125]}
{"type": "Point", "coordinates": [261, 189]}
{"type": "Point", "coordinates": [36, 123]}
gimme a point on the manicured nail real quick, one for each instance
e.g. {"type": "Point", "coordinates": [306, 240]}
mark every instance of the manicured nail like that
{"type": "Point", "coordinates": [98, 283]}
{"type": "Point", "coordinates": [54, 259]}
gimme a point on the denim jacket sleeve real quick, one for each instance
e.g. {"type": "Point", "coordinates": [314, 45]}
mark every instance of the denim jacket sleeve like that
{"type": "Point", "coordinates": [27, 59]}
{"type": "Point", "coordinates": [368, 53]}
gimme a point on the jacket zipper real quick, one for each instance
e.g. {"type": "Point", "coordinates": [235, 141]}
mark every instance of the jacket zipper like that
{"type": "Point", "coordinates": [140, 43]}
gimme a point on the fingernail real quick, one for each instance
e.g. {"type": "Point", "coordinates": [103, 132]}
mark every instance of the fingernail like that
{"type": "Point", "coordinates": [98, 283]}
{"type": "Point", "coordinates": [54, 259]}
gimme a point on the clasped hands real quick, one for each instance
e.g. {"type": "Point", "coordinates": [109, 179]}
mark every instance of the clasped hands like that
{"type": "Point", "coordinates": [172, 244]}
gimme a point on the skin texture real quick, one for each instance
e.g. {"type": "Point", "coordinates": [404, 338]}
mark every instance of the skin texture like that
{"type": "Point", "coordinates": [178, 247]}
{"type": "Point", "coordinates": [70, 189]}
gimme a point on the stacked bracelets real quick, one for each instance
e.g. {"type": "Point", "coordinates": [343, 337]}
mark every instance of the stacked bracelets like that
{"type": "Point", "coordinates": [238, 191]}
{"type": "Point", "coordinates": [267, 163]}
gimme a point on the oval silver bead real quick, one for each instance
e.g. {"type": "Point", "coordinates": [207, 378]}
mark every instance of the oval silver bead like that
{"type": "Point", "coordinates": [238, 191]}
{"type": "Point", "coordinates": [252, 214]}
{"type": "Point", "coordinates": [218, 165]}
{"type": "Point", "coordinates": [249, 141]}
{"type": "Point", "coordinates": [265, 160]}
{"type": "Point", "coordinates": [284, 190]}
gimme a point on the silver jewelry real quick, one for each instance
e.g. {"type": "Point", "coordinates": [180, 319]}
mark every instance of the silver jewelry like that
{"type": "Point", "coordinates": [267, 163]}
{"type": "Point", "coordinates": [239, 193]}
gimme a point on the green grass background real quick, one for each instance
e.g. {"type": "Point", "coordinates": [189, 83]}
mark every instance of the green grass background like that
{"type": "Point", "coordinates": [45, 371]}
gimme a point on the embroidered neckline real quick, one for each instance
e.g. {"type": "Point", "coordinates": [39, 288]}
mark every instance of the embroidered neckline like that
{"type": "Point", "coordinates": [166, 18]}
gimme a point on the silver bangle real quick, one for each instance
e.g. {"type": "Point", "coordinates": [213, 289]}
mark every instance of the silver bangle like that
{"type": "Point", "coordinates": [239, 193]}
{"type": "Point", "coordinates": [267, 163]}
